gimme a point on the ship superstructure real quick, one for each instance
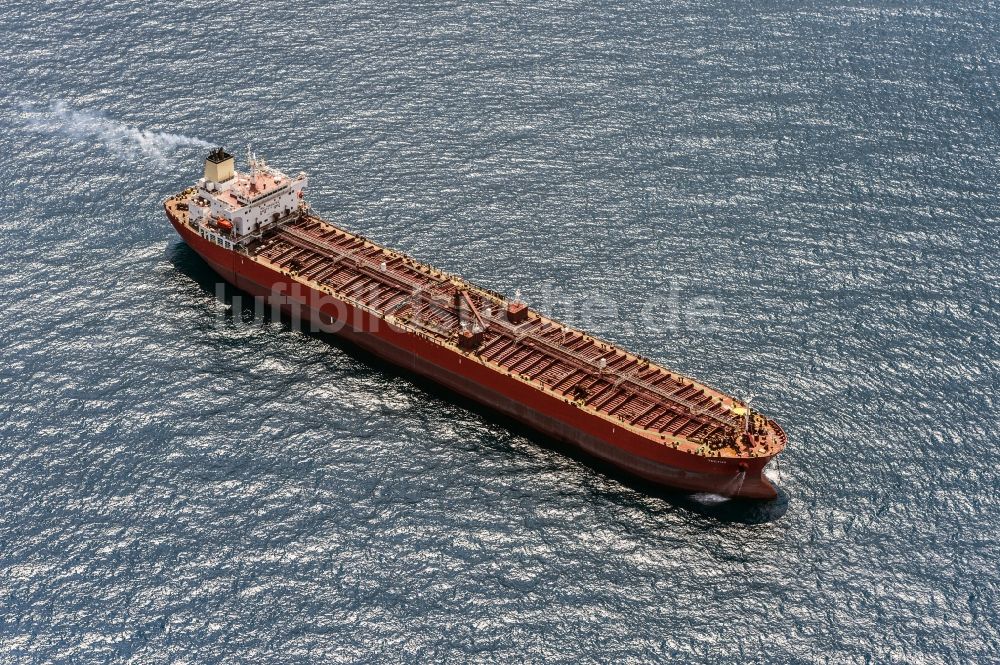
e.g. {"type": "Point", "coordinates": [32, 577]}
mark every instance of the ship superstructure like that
{"type": "Point", "coordinates": [242, 203]}
{"type": "Point", "coordinates": [256, 230]}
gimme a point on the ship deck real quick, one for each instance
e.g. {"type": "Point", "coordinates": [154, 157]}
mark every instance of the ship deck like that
{"type": "Point", "coordinates": [598, 376]}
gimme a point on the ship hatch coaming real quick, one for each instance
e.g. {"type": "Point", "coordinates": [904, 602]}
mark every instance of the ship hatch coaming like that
{"type": "Point", "coordinates": [628, 389]}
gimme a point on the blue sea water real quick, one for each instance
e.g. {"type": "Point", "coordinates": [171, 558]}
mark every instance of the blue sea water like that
{"type": "Point", "coordinates": [797, 200]}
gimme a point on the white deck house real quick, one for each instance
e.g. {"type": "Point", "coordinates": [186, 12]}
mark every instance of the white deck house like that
{"type": "Point", "coordinates": [237, 204]}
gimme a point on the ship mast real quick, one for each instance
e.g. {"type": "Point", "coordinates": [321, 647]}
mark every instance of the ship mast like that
{"type": "Point", "coordinates": [746, 421]}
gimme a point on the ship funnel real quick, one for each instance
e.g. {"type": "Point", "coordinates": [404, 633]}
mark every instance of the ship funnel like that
{"type": "Point", "coordinates": [219, 166]}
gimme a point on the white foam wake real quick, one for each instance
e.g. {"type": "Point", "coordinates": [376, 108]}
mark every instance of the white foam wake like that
{"type": "Point", "coordinates": [709, 499]}
{"type": "Point", "coordinates": [122, 139]}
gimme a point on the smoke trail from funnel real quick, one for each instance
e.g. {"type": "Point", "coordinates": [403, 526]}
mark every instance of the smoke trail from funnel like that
{"type": "Point", "coordinates": [119, 138]}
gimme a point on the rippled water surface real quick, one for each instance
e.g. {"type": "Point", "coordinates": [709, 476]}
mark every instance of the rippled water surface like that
{"type": "Point", "coordinates": [797, 200]}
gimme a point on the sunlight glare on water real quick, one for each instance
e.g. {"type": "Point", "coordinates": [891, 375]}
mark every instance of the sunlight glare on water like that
{"type": "Point", "coordinates": [793, 200]}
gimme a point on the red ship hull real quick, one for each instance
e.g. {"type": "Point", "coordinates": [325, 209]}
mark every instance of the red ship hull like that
{"type": "Point", "coordinates": [559, 419]}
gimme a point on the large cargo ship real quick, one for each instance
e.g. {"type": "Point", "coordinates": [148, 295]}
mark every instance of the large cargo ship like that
{"type": "Point", "coordinates": [256, 231]}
